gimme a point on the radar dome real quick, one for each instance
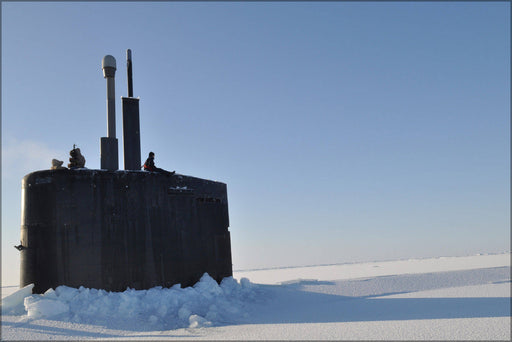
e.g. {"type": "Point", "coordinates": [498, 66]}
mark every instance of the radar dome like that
{"type": "Point", "coordinates": [108, 62]}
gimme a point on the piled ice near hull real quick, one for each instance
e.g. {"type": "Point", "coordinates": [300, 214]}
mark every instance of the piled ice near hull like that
{"type": "Point", "coordinates": [205, 304]}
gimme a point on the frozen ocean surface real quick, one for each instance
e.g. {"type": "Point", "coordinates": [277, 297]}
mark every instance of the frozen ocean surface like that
{"type": "Point", "coordinates": [428, 299]}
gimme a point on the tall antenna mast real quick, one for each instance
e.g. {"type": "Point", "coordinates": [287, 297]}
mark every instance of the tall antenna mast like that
{"type": "Point", "coordinates": [129, 70]}
{"type": "Point", "coordinates": [108, 144]}
{"type": "Point", "coordinates": [131, 124]}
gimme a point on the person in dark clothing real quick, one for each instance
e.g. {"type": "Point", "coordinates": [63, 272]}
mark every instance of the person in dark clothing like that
{"type": "Point", "coordinates": [149, 165]}
{"type": "Point", "coordinates": [77, 160]}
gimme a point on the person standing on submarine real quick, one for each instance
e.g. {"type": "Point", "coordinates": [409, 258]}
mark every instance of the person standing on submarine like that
{"type": "Point", "coordinates": [149, 165]}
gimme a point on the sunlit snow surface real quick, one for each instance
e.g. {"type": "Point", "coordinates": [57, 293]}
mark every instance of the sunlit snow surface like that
{"type": "Point", "coordinates": [437, 299]}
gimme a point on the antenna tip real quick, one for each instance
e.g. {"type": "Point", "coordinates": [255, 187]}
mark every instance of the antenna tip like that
{"type": "Point", "coordinates": [128, 54]}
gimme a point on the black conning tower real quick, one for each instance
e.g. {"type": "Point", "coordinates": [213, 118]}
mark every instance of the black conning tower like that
{"type": "Point", "coordinates": [112, 229]}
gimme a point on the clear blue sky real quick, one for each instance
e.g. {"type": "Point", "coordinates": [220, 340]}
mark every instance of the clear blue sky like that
{"type": "Point", "coordinates": [344, 131]}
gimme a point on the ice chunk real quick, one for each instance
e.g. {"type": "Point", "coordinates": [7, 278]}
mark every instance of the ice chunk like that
{"type": "Point", "coordinates": [184, 313]}
{"type": "Point", "coordinates": [50, 294]}
{"type": "Point", "coordinates": [228, 285]}
{"type": "Point", "coordinates": [208, 287]}
{"type": "Point", "coordinates": [16, 299]}
{"type": "Point", "coordinates": [198, 322]}
{"type": "Point", "coordinates": [246, 283]}
{"type": "Point", "coordinates": [37, 306]}
{"type": "Point", "coordinates": [66, 293]}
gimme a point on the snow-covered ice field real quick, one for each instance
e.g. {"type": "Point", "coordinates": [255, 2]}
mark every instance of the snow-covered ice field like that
{"type": "Point", "coordinates": [446, 298]}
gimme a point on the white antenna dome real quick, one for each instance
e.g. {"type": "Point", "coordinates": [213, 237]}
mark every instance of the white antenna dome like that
{"type": "Point", "coordinates": [108, 62]}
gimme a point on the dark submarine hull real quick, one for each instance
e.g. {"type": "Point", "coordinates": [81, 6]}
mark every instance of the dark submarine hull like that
{"type": "Point", "coordinates": [117, 229]}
